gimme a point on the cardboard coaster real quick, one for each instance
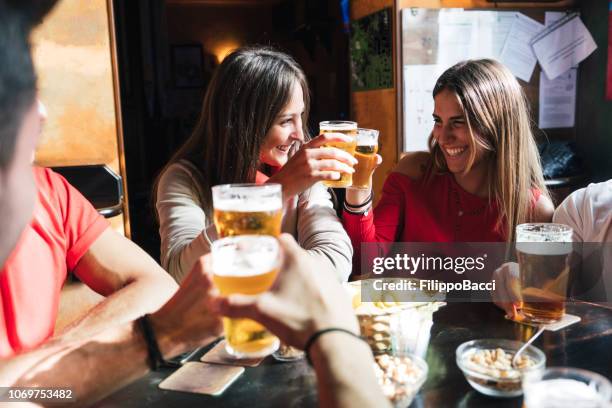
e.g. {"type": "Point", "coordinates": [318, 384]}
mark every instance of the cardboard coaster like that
{"type": "Point", "coordinates": [202, 378]}
{"type": "Point", "coordinates": [218, 355]}
{"type": "Point", "coordinates": [566, 320]}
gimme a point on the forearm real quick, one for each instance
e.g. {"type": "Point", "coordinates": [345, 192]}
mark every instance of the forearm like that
{"type": "Point", "coordinates": [143, 295]}
{"type": "Point", "coordinates": [91, 368]}
{"type": "Point", "coordinates": [345, 372]}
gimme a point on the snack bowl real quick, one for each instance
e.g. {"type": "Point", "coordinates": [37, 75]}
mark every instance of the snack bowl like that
{"type": "Point", "coordinates": [486, 365]}
{"type": "Point", "coordinates": [401, 376]}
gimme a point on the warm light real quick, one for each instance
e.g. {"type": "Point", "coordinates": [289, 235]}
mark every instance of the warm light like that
{"type": "Point", "coordinates": [221, 50]}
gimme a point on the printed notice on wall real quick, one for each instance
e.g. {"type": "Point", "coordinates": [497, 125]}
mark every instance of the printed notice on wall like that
{"type": "Point", "coordinates": [517, 54]}
{"type": "Point", "coordinates": [557, 107]}
{"type": "Point", "coordinates": [562, 45]}
{"type": "Point", "coordinates": [558, 100]}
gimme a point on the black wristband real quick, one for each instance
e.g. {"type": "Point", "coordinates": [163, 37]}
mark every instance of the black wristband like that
{"type": "Point", "coordinates": [319, 333]}
{"type": "Point", "coordinates": [366, 202]}
{"type": "Point", "coordinates": [156, 360]}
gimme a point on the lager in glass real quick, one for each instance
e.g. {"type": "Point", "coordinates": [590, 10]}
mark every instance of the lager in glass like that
{"type": "Point", "coordinates": [543, 252]}
{"type": "Point", "coordinates": [247, 209]}
{"type": "Point", "coordinates": [346, 128]}
{"type": "Point", "coordinates": [365, 153]}
{"type": "Point", "coordinates": [246, 264]}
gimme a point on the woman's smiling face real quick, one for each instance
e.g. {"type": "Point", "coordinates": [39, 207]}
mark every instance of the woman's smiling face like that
{"type": "Point", "coordinates": [452, 134]}
{"type": "Point", "coordinates": [285, 131]}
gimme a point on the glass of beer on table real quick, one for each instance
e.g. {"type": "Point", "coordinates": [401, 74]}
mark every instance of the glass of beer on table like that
{"type": "Point", "coordinates": [346, 128]}
{"type": "Point", "coordinates": [365, 153]}
{"type": "Point", "coordinates": [241, 209]}
{"type": "Point", "coordinates": [246, 264]}
{"type": "Point", "coordinates": [543, 251]}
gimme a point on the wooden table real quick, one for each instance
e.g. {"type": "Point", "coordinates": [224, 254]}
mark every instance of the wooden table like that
{"type": "Point", "coordinates": [587, 345]}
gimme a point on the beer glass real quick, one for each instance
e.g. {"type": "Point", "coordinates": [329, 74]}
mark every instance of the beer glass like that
{"type": "Point", "coordinates": [543, 252]}
{"type": "Point", "coordinates": [365, 153]}
{"type": "Point", "coordinates": [246, 264]}
{"type": "Point", "coordinates": [246, 209]}
{"type": "Point", "coordinates": [566, 387]}
{"type": "Point", "coordinates": [346, 128]}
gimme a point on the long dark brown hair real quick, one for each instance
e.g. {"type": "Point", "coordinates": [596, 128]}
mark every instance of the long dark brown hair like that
{"type": "Point", "coordinates": [245, 95]}
{"type": "Point", "coordinates": [497, 116]}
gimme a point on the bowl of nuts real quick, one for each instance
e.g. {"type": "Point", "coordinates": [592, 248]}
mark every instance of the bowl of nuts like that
{"type": "Point", "coordinates": [401, 376]}
{"type": "Point", "coordinates": [487, 365]}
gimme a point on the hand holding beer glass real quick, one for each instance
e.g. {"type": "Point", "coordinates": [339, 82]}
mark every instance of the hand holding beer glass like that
{"type": "Point", "coordinates": [241, 209]}
{"type": "Point", "coordinates": [248, 265]}
{"type": "Point", "coordinates": [346, 128]}
{"type": "Point", "coordinates": [543, 252]}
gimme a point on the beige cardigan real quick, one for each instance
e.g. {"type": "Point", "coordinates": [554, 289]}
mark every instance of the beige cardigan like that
{"type": "Point", "coordinates": [186, 232]}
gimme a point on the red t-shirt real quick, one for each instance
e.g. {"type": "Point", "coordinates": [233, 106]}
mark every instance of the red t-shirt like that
{"type": "Point", "coordinates": [415, 211]}
{"type": "Point", "coordinates": [63, 227]}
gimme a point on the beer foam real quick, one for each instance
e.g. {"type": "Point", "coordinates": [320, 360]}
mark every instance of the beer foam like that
{"type": "Point", "coordinates": [242, 262]}
{"type": "Point", "coordinates": [252, 205]}
{"type": "Point", "coordinates": [544, 248]}
{"type": "Point", "coordinates": [562, 393]}
{"type": "Point", "coordinates": [338, 126]}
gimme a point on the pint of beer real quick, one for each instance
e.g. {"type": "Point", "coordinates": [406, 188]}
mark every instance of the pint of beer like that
{"type": "Point", "coordinates": [241, 209]}
{"type": "Point", "coordinates": [543, 252]}
{"type": "Point", "coordinates": [346, 128]}
{"type": "Point", "coordinates": [246, 264]}
{"type": "Point", "coordinates": [365, 153]}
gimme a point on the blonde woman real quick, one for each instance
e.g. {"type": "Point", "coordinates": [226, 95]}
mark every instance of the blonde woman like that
{"type": "Point", "coordinates": [252, 129]}
{"type": "Point", "coordinates": [481, 177]}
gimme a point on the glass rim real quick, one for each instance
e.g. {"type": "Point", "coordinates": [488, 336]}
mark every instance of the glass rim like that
{"type": "Point", "coordinates": [365, 130]}
{"type": "Point", "coordinates": [245, 237]}
{"type": "Point", "coordinates": [566, 372]}
{"type": "Point", "coordinates": [269, 241]}
{"type": "Point", "coordinates": [549, 228]}
{"type": "Point", "coordinates": [338, 124]}
{"type": "Point", "coordinates": [266, 187]}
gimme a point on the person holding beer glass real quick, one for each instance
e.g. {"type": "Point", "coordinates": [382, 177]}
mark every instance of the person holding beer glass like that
{"type": "Point", "coordinates": [252, 129]}
{"type": "Point", "coordinates": [481, 177]}
{"type": "Point", "coordinates": [588, 213]}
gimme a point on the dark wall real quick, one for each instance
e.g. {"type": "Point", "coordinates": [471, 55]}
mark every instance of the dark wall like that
{"type": "Point", "coordinates": [594, 113]}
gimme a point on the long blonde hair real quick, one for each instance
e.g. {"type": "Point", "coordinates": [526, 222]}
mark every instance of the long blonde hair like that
{"type": "Point", "coordinates": [497, 117]}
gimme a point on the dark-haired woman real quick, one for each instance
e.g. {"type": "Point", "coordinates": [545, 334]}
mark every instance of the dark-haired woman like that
{"type": "Point", "coordinates": [252, 129]}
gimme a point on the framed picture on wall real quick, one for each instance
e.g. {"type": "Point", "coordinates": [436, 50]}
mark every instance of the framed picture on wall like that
{"type": "Point", "coordinates": [188, 65]}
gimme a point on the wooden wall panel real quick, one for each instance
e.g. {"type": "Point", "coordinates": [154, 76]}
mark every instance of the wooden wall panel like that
{"type": "Point", "coordinates": [377, 109]}
{"type": "Point", "coordinates": [74, 58]}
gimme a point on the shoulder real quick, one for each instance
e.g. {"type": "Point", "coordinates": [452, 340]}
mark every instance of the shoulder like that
{"type": "Point", "coordinates": [53, 186]}
{"type": "Point", "coordinates": [596, 198]}
{"type": "Point", "coordinates": [543, 208]}
{"type": "Point", "coordinates": [413, 164]}
{"type": "Point", "coordinates": [179, 177]}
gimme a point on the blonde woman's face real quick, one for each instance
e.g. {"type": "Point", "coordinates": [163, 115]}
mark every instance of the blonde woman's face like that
{"type": "Point", "coordinates": [452, 134]}
{"type": "Point", "coordinates": [285, 131]}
